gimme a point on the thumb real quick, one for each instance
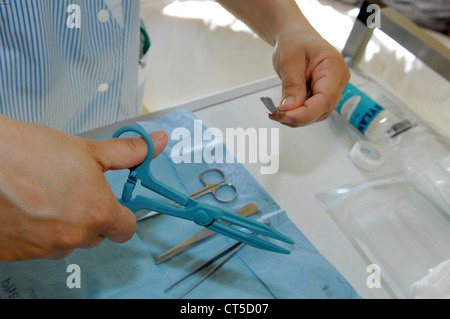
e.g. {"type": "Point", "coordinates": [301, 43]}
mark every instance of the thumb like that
{"type": "Point", "coordinates": [126, 152]}
{"type": "Point", "coordinates": [294, 85]}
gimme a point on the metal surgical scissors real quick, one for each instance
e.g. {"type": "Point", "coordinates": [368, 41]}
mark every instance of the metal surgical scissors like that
{"type": "Point", "coordinates": [188, 208]}
{"type": "Point", "coordinates": [210, 188]}
{"type": "Point", "coordinates": [214, 187]}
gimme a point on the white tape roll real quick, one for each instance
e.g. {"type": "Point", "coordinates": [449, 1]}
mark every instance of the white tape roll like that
{"type": "Point", "coordinates": [367, 156]}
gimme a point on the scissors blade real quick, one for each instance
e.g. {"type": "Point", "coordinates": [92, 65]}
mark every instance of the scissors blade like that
{"type": "Point", "coordinates": [253, 240]}
{"type": "Point", "coordinates": [201, 236]}
{"type": "Point", "coordinates": [149, 214]}
{"type": "Point", "coordinates": [269, 104]}
{"type": "Point", "coordinates": [255, 226]}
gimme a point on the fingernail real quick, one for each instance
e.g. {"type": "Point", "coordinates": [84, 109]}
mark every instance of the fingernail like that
{"type": "Point", "coordinates": [159, 138]}
{"type": "Point", "coordinates": [281, 117]}
{"type": "Point", "coordinates": [158, 134]}
{"type": "Point", "coordinates": [286, 120]}
{"type": "Point", "coordinates": [287, 103]}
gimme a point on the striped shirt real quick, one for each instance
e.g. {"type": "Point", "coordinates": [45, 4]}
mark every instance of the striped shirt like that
{"type": "Point", "coordinates": [69, 64]}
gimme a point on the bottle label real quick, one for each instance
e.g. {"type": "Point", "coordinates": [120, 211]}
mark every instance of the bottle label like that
{"type": "Point", "coordinates": [358, 108]}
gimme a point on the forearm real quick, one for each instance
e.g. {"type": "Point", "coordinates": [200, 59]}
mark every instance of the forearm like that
{"type": "Point", "coordinates": [313, 73]}
{"type": "Point", "coordinates": [268, 18]}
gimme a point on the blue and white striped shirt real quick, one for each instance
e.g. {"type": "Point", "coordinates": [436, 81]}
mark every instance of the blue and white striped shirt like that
{"type": "Point", "coordinates": [73, 79]}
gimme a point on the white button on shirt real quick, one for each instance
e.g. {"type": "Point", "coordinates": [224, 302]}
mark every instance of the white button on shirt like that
{"type": "Point", "coordinates": [103, 16]}
{"type": "Point", "coordinates": [103, 87]}
{"type": "Point", "coordinates": [55, 75]}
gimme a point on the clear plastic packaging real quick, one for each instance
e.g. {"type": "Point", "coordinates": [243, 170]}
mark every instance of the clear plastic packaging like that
{"type": "Point", "coordinates": [401, 224]}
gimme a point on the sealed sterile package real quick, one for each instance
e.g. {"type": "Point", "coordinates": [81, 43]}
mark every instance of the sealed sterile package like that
{"type": "Point", "coordinates": [401, 224]}
{"type": "Point", "coordinates": [130, 270]}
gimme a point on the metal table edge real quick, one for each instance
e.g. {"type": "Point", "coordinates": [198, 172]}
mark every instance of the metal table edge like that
{"type": "Point", "coordinates": [193, 105]}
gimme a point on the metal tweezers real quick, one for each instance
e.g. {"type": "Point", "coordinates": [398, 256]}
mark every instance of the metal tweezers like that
{"type": "Point", "coordinates": [201, 236]}
{"type": "Point", "coordinates": [229, 253]}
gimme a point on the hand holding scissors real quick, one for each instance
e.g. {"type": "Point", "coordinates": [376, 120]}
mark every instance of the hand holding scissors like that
{"type": "Point", "coordinates": [202, 214]}
{"type": "Point", "coordinates": [210, 188]}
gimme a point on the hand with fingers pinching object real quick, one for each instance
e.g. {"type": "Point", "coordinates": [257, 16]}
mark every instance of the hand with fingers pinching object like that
{"type": "Point", "coordinates": [313, 75]}
{"type": "Point", "coordinates": [54, 196]}
{"type": "Point", "coordinates": [312, 71]}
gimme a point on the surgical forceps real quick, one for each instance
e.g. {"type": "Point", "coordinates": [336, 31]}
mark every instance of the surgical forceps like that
{"type": "Point", "coordinates": [210, 188]}
{"type": "Point", "coordinates": [228, 253]}
{"type": "Point", "coordinates": [202, 214]}
{"type": "Point", "coordinates": [201, 236]}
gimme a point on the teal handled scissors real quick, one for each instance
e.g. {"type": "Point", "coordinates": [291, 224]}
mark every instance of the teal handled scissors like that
{"type": "Point", "coordinates": [188, 208]}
